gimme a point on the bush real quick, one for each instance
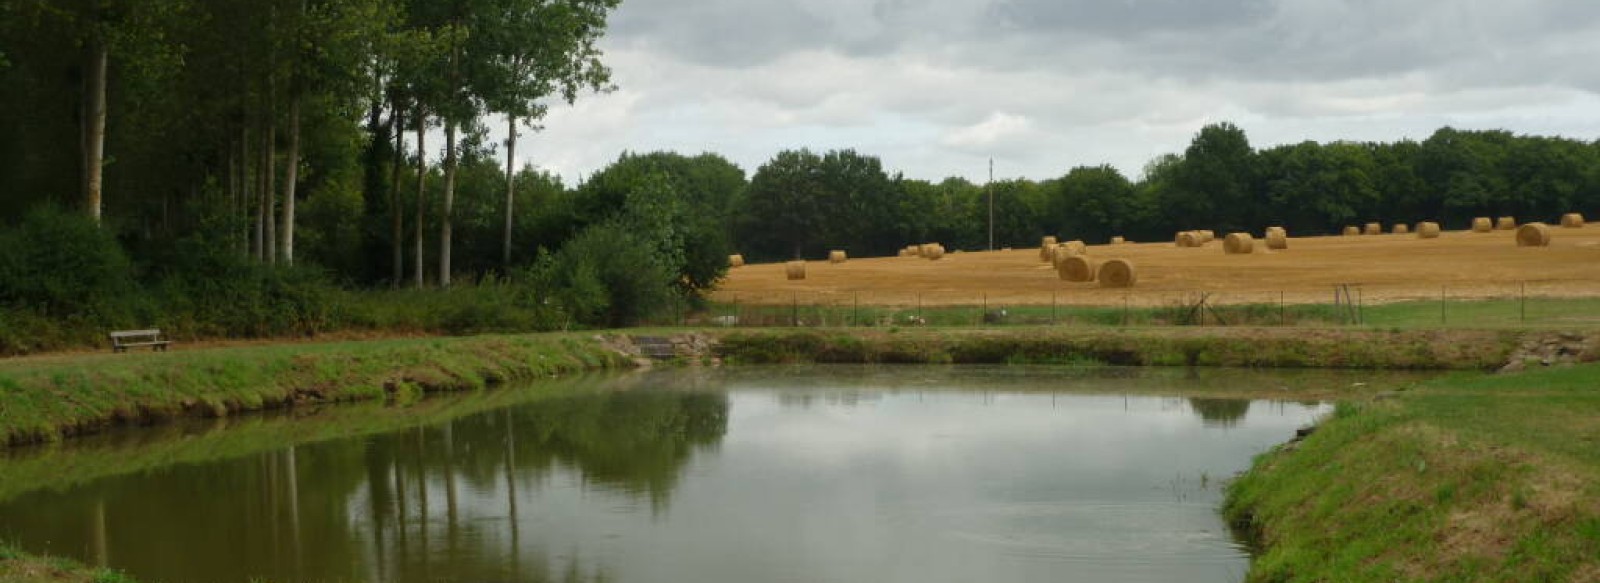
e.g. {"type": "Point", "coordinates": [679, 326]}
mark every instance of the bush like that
{"type": "Point", "coordinates": [606, 276]}
{"type": "Point", "coordinates": [62, 265]}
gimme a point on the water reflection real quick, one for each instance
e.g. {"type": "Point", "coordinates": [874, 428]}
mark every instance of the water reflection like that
{"type": "Point", "coordinates": [813, 474]}
{"type": "Point", "coordinates": [1220, 412]}
{"type": "Point", "coordinates": [446, 501]}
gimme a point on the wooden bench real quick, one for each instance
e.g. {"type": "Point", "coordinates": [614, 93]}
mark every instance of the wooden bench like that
{"type": "Point", "coordinates": [122, 340]}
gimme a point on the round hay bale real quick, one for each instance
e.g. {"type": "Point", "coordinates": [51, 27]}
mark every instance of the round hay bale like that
{"type": "Point", "coordinates": [1372, 229]}
{"type": "Point", "coordinates": [837, 256]}
{"type": "Point", "coordinates": [1047, 253]}
{"type": "Point", "coordinates": [1401, 229]}
{"type": "Point", "coordinates": [1117, 273]}
{"type": "Point", "coordinates": [1048, 240]}
{"type": "Point", "coordinates": [1572, 221]}
{"type": "Point", "coordinates": [735, 260]}
{"type": "Point", "coordinates": [1505, 223]}
{"type": "Point", "coordinates": [1078, 268]}
{"type": "Point", "coordinates": [1238, 244]}
{"type": "Point", "coordinates": [1533, 235]}
{"type": "Point", "coordinates": [1077, 247]}
{"type": "Point", "coordinates": [1189, 239]}
{"type": "Point", "coordinates": [1207, 236]}
{"type": "Point", "coordinates": [1427, 230]}
{"type": "Point", "coordinates": [1118, 240]}
{"type": "Point", "coordinates": [1277, 239]}
{"type": "Point", "coordinates": [795, 270]}
{"type": "Point", "coordinates": [1351, 231]}
{"type": "Point", "coordinates": [1482, 225]}
{"type": "Point", "coordinates": [925, 249]}
{"type": "Point", "coordinates": [1062, 253]}
{"type": "Point", "coordinates": [935, 252]}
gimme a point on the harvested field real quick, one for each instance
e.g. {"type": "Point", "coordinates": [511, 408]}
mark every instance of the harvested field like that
{"type": "Point", "coordinates": [1387, 267]}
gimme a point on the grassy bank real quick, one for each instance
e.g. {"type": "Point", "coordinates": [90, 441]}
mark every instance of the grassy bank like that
{"type": "Point", "coordinates": [50, 398]}
{"type": "Point", "coordinates": [1236, 347]}
{"type": "Point", "coordinates": [19, 567]}
{"type": "Point", "coordinates": [1465, 478]}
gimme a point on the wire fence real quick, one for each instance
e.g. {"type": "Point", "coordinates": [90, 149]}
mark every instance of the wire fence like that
{"type": "Point", "coordinates": [1503, 305]}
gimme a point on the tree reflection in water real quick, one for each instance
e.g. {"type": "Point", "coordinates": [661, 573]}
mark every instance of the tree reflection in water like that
{"type": "Point", "coordinates": [428, 503]}
{"type": "Point", "coordinates": [1220, 412]}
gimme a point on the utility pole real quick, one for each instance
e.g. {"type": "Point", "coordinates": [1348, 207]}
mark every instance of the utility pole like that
{"type": "Point", "coordinates": [990, 187]}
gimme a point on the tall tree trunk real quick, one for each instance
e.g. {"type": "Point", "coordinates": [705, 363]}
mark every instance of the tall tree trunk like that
{"type": "Point", "coordinates": [449, 201]}
{"type": "Point", "coordinates": [394, 196]}
{"type": "Point", "coordinates": [511, 192]}
{"type": "Point", "coordinates": [252, 190]}
{"type": "Point", "coordinates": [291, 175]}
{"type": "Point", "coordinates": [422, 192]}
{"type": "Point", "coordinates": [269, 196]}
{"type": "Point", "coordinates": [94, 127]}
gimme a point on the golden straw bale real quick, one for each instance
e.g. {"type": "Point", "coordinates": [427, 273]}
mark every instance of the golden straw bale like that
{"type": "Point", "coordinates": [1533, 235]}
{"type": "Point", "coordinates": [1572, 221]}
{"type": "Point", "coordinates": [934, 252]}
{"type": "Point", "coordinates": [1062, 253]}
{"type": "Point", "coordinates": [1401, 229]}
{"type": "Point", "coordinates": [1078, 268]}
{"type": "Point", "coordinates": [1350, 231]}
{"type": "Point", "coordinates": [1118, 240]}
{"type": "Point", "coordinates": [1117, 273]}
{"type": "Point", "coordinates": [736, 260]}
{"type": "Point", "coordinates": [1505, 223]}
{"type": "Point", "coordinates": [837, 256]}
{"type": "Point", "coordinates": [1427, 230]}
{"type": "Point", "coordinates": [1277, 239]}
{"type": "Point", "coordinates": [1482, 225]}
{"type": "Point", "coordinates": [1238, 244]}
{"type": "Point", "coordinates": [1372, 229]}
{"type": "Point", "coordinates": [1189, 239]}
{"type": "Point", "coordinates": [1207, 236]}
{"type": "Point", "coordinates": [1077, 246]}
{"type": "Point", "coordinates": [1047, 247]}
{"type": "Point", "coordinates": [795, 270]}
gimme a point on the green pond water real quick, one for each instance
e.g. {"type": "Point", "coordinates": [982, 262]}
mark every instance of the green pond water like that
{"type": "Point", "coordinates": [813, 474]}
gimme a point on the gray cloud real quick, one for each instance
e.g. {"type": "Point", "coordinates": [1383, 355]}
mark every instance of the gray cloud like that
{"type": "Point", "coordinates": [936, 86]}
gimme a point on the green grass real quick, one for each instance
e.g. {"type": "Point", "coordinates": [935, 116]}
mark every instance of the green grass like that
{"type": "Point", "coordinates": [1464, 478]}
{"type": "Point", "coordinates": [1235, 347]}
{"type": "Point", "coordinates": [1421, 314]}
{"type": "Point", "coordinates": [19, 567]}
{"type": "Point", "coordinates": [48, 398]}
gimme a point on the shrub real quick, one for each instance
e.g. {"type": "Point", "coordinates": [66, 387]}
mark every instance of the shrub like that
{"type": "Point", "coordinates": [606, 276]}
{"type": "Point", "coordinates": [63, 265]}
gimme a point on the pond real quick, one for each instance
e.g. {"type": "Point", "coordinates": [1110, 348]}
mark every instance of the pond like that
{"type": "Point", "coordinates": [747, 474]}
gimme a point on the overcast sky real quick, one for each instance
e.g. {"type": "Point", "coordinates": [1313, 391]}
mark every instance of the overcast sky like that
{"type": "Point", "coordinates": [937, 87]}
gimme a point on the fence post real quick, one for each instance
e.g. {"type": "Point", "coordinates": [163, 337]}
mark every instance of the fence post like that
{"type": "Point", "coordinates": [1125, 302]}
{"type": "Point", "coordinates": [1282, 316]}
{"type": "Point", "coordinates": [794, 312]}
{"type": "Point", "coordinates": [1441, 306]}
{"type": "Point", "coordinates": [919, 310]}
{"type": "Point", "coordinates": [1524, 309]}
{"type": "Point", "coordinates": [855, 311]}
{"type": "Point", "coordinates": [1052, 307]}
{"type": "Point", "coordinates": [983, 308]}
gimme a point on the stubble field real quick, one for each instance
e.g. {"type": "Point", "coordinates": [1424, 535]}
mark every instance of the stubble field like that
{"type": "Point", "coordinates": [1460, 265]}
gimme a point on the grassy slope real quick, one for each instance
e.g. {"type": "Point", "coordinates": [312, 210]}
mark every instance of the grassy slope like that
{"type": "Point", "coordinates": [46, 399]}
{"type": "Point", "coordinates": [19, 567]}
{"type": "Point", "coordinates": [1467, 478]}
{"type": "Point", "coordinates": [1240, 347]}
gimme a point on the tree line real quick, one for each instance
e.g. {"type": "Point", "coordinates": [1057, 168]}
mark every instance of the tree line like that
{"type": "Point", "coordinates": [803, 204]}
